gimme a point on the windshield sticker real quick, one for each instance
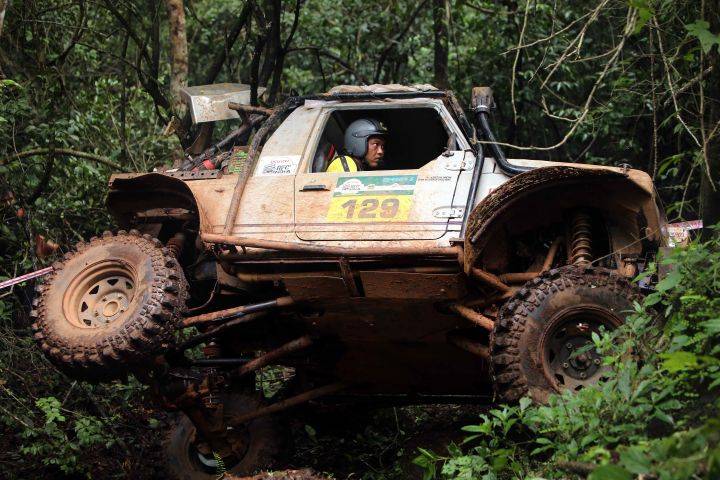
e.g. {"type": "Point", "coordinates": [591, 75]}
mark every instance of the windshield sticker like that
{"type": "Point", "coordinates": [372, 199]}
{"type": "Point", "coordinates": [275, 165]}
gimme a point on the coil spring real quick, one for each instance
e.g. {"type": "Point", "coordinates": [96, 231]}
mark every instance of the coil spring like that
{"type": "Point", "coordinates": [581, 238]}
{"type": "Point", "coordinates": [211, 397]}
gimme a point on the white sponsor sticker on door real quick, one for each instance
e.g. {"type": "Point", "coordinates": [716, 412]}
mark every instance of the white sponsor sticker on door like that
{"type": "Point", "coordinates": [274, 165]}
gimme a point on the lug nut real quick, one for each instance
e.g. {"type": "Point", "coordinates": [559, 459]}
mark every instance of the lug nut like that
{"type": "Point", "coordinates": [569, 346]}
{"type": "Point", "coordinates": [566, 365]}
{"type": "Point", "coordinates": [582, 375]}
{"type": "Point", "coordinates": [596, 361]}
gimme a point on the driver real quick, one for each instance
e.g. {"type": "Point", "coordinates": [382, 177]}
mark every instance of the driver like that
{"type": "Point", "coordinates": [364, 145]}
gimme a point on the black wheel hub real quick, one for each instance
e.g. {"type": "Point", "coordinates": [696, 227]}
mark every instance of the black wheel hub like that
{"type": "Point", "coordinates": [570, 361]}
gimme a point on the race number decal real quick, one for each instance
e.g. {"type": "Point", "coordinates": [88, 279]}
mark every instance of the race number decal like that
{"type": "Point", "coordinates": [372, 199]}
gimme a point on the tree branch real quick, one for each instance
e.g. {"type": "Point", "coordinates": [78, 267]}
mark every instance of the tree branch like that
{"type": "Point", "coordinates": [149, 82]}
{"type": "Point", "coordinates": [517, 58]}
{"type": "Point", "coordinates": [631, 20]}
{"type": "Point", "coordinates": [671, 85]}
{"type": "Point", "coordinates": [230, 40]}
{"type": "Point", "coordinates": [323, 53]}
{"type": "Point", "coordinates": [296, 18]}
{"type": "Point", "coordinates": [383, 56]}
{"type": "Point", "coordinates": [63, 151]}
{"type": "Point", "coordinates": [42, 185]}
{"type": "Point", "coordinates": [77, 35]}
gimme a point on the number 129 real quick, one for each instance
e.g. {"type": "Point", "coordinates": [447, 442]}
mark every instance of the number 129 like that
{"type": "Point", "coordinates": [369, 208]}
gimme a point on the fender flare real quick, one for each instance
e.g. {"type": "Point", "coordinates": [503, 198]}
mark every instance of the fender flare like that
{"type": "Point", "coordinates": [634, 186]}
{"type": "Point", "coordinates": [143, 192]}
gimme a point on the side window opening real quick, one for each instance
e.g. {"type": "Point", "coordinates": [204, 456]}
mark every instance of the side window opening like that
{"type": "Point", "coordinates": [416, 136]}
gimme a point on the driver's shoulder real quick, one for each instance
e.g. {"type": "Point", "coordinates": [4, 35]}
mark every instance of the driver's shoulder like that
{"type": "Point", "coordinates": [343, 163]}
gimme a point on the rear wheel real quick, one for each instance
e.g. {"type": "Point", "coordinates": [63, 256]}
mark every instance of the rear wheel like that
{"type": "Point", "coordinates": [253, 446]}
{"type": "Point", "coordinates": [110, 305]}
{"type": "Point", "coordinates": [535, 342]}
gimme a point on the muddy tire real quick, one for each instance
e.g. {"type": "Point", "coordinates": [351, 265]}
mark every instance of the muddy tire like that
{"type": "Point", "coordinates": [538, 329]}
{"type": "Point", "coordinates": [256, 445]}
{"type": "Point", "coordinates": [109, 306]}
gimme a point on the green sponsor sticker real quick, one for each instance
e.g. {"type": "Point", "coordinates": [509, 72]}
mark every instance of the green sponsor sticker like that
{"type": "Point", "coordinates": [376, 185]}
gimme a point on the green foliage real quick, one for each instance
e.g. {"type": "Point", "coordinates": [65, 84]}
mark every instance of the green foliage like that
{"type": "Point", "coordinates": [51, 442]}
{"type": "Point", "coordinates": [700, 30]}
{"type": "Point", "coordinates": [655, 414]}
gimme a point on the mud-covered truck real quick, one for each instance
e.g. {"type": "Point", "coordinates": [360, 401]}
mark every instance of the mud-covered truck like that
{"type": "Point", "coordinates": [448, 274]}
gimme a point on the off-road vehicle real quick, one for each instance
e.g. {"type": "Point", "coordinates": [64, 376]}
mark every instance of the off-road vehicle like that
{"type": "Point", "coordinates": [451, 274]}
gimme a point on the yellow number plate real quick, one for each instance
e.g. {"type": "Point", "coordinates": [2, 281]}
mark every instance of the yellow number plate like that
{"type": "Point", "coordinates": [373, 198]}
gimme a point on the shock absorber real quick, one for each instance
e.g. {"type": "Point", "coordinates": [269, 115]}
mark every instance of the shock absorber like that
{"type": "Point", "coordinates": [580, 238]}
{"type": "Point", "coordinates": [212, 379]}
{"type": "Point", "coordinates": [176, 243]}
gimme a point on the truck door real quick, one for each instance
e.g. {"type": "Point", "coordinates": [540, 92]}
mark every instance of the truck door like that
{"type": "Point", "coordinates": [398, 204]}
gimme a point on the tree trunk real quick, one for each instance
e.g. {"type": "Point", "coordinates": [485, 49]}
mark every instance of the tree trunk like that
{"type": "Point", "coordinates": [710, 183]}
{"type": "Point", "coordinates": [178, 54]}
{"type": "Point", "coordinates": [273, 10]}
{"type": "Point", "coordinates": [441, 19]}
{"type": "Point", "coordinates": [3, 7]}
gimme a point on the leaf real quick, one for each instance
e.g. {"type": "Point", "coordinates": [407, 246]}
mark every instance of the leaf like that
{"type": "Point", "coordinates": [652, 299]}
{"type": "Point", "coordinates": [635, 461]}
{"type": "Point", "coordinates": [429, 454]}
{"type": "Point", "coordinates": [9, 83]}
{"type": "Point", "coordinates": [664, 417]}
{"type": "Point", "coordinates": [712, 326]}
{"type": "Point", "coordinates": [645, 12]}
{"type": "Point", "coordinates": [610, 472]}
{"type": "Point", "coordinates": [524, 403]}
{"type": "Point", "coordinates": [670, 281]}
{"type": "Point", "coordinates": [700, 29]}
{"type": "Point", "coordinates": [482, 428]}
{"type": "Point", "coordinates": [679, 361]}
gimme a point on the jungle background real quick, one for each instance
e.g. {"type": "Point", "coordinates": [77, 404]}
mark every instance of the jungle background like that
{"type": "Point", "coordinates": [88, 87]}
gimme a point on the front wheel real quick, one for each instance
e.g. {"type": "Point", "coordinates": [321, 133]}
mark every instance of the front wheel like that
{"type": "Point", "coordinates": [535, 342]}
{"type": "Point", "coordinates": [109, 306]}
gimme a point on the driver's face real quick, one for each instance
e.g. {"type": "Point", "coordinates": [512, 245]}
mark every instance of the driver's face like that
{"type": "Point", "coordinates": [375, 152]}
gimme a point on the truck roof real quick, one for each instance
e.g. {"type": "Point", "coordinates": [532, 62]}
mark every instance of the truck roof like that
{"type": "Point", "coordinates": [381, 88]}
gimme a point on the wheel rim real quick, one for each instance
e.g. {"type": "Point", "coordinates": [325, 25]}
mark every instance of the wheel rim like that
{"type": "Point", "coordinates": [100, 295]}
{"type": "Point", "coordinates": [566, 334]}
{"type": "Point", "coordinates": [202, 456]}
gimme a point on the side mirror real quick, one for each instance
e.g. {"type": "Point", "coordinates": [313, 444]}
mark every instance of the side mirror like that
{"type": "Point", "coordinates": [209, 103]}
{"type": "Point", "coordinates": [482, 98]}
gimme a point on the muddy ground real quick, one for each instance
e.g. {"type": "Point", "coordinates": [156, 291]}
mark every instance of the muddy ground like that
{"type": "Point", "coordinates": [370, 443]}
{"type": "Point", "coordinates": [358, 442]}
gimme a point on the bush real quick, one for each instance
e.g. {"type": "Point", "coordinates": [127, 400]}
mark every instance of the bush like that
{"type": "Point", "coordinates": [656, 415]}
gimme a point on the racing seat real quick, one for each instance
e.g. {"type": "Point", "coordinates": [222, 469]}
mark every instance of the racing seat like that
{"type": "Point", "coordinates": [324, 153]}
